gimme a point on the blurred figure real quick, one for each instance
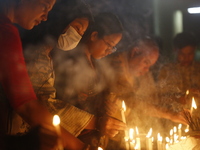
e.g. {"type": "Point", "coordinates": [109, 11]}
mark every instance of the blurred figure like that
{"type": "Point", "coordinates": [17, 93]}
{"type": "Point", "coordinates": [77, 77]}
{"type": "Point", "coordinates": [177, 77]}
{"type": "Point", "coordinates": [16, 89]}
{"type": "Point", "coordinates": [132, 82]}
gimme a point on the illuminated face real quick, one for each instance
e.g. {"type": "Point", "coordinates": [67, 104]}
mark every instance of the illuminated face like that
{"type": "Point", "coordinates": [32, 12]}
{"type": "Point", "coordinates": [141, 63]}
{"type": "Point", "coordinates": [101, 47]}
{"type": "Point", "coordinates": [186, 55]}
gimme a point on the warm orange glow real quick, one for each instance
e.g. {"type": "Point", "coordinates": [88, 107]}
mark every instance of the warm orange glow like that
{"type": "Point", "coordinates": [193, 103]}
{"type": "Point", "coordinates": [149, 133]}
{"type": "Point", "coordinates": [131, 131]}
{"type": "Point", "coordinates": [187, 92]}
{"type": "Point", "coordinates": [136, 130]}
{"type": "Point", "coordinates": [179, 126]}
{"type": "Point", "coordinates": [56, 120]}
{"type": "Point", "coordinates": [123, 106]}
{"type": "Point", "coordinates": [99, 148]}
{"type": "Point", "coordinates": [175, 129]}
{"type": "Point", "coordinates": [171, 132]}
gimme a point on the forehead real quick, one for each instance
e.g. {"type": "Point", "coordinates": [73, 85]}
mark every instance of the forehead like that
{"type": "Point", "coordinates": [81, 21]}
{"type": "Point", "coordinates": [187, 50]}
{"type": "Point", "coordinates": [50, 2]}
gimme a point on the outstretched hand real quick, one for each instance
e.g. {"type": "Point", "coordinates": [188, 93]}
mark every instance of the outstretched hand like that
{"type": "Point", "coordinates": [110, 126]}
{"type": "Point", "coordinates": [179, 117]}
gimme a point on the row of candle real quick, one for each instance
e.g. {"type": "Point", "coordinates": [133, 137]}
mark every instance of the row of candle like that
{"type": "Point", "coordinates": [133, 139]}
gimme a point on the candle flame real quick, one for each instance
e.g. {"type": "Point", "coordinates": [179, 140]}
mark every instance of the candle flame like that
{"type": "Point", "coordinates": [123, 106]}
{"type": "Point", "coordinates": [99, 148]}
{"type": "Point", "coordinates": [159, 137]}
{"type": "Point", "coordinates": [131, 131]}
{"type": "Point", "coordinates": [167, 139]}
{"type": "Point", "coordinates": [179, 126]}
{"type": "Point", "coordinates": [149, 133]}
{"type": "Point", "coordinates": [171, 132]}
{"type": "Point", "coordinates": [187, 92]}
{"type": "Point", "coordinates": [136, 130]}
{"type": "Point", "coordinates": [56, 120]}
{"type": "Point", "coordinates": [186, 130]}
{"type": "Point", "coordinates": [193, 103]}
{"type": "Point", "coordinates": [175, 129]}
{"type": "Point", "coordinates": [167, 146]}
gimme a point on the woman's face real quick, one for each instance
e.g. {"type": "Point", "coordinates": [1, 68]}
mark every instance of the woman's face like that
{"type": "Point", "coordinates": [140, 65]}
{"type": "Point", "coordinates": [30, 13]}
{"type": "Point", "coordinates": [101, 47]}
{"type": "Point", "coordinates": [80, 25]}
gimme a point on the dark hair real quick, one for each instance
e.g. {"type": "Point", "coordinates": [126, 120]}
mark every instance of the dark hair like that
{"type": "Point", "coordinates": [184, 39]}
{"type": "Point", "coordinates": [62, 14]}
{"type": "Point", "coordinates": [106, 24]}
{"type": "Point", "coordinates": [148, 40]}
{"type": "Point", "coordinates": [144, 40]}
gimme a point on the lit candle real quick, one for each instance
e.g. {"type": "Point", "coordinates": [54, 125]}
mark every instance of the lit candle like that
{"type": "Point", "coordinates": [123, 110]}
{"type": "Point", "coordinates": [56, 123]}
{"type": "Point", "coordinates": [179, 131]}
{"type": "Point", "coordinates": [149, 145]}
{"type": "Point", "coordinates": [167, 146]}
{"type": "Point", "coordinates": [99, 148]}
{"type": "Point", "coordinates": [137, 139]}
{"type": "Point", "coordinates": [131, 142]}
{"type": "Point", "coordinates": [175, 137]}
{"type": "Point", "coordinates": [171, 136]}
{"type": "Point", "coordinates": [193, 105]}
{"type": "Point", "coordinates": [159, 142]}
{"type": "Point", "coordinates": [186, 93]}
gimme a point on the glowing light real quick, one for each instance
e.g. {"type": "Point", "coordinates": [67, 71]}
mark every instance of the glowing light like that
{"type": "Point", "coordinates": [149, 133]}
{"type": "Point", "coordinates": [193, 103]}
{"type": "Point", "coordinates": [179, 126]}
{"type": "Point", "coordinates": [175, 129]}
{"type": "Point", "coordinates": [187, 92]}
{"type": "Point", "coordinates": [99, 148]}
{"type": "Point", "coordinates": [167, 139]}
{"type": "Point", "coordinates": [56, 120]}
{"type": "Point", "coordinates": [136, 130]}
{"type": "Point", "coordinates": [194, 10]}
{"type": "Point", "coordinates": [131, 131]}
{"type": "Point", "coordinates": [123, 106]}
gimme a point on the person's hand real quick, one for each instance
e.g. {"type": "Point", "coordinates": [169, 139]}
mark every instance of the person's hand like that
{"type": "Point", "coordinates": [48, 138]}
{"type": "Point", "coordinates": [112, 104]}
{"type": "Point", "coordinates": [179, 117]}
{"type": "Point", "coordinates": [110, 126]}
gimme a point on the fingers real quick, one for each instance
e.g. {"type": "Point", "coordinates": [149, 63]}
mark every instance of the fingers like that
{"type": "Point", "coordinates": [112, 126]}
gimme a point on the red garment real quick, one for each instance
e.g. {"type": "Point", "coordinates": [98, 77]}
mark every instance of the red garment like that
{"type": "Point", "coordinates": [13, 74]}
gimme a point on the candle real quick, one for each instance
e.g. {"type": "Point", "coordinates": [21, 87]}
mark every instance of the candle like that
{"type": "Point", "coordinates": [193, 105]}
{"type": "Point", "coordinates": [137, 139]}
{"type": "Point", "coordinates": [179, 131]}
{"type": "Point", "coordinates": [131, 141]}
{"type": "Point", "coordinates": [56, 123]}
{"type": "Point", "coordinates": [99, 148]}
{"type": "Point", "coordinates": [171, 136]}
{"type": "Point", "coordinates": [159, 142]}
{"type": "Point", "coordinates": [149, 145]}
{"type": "Point", "coordinates": [167, 146]}
{"type": "Point", "coordinates": [186, 93]}
{"type": "Point", "coordinates": [175, 137]}
{"type": "Point", "coordinates": [123, 111]}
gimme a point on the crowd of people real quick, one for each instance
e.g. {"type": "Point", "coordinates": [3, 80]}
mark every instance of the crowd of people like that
{"type": "Point", "coordinates": [68, 65]}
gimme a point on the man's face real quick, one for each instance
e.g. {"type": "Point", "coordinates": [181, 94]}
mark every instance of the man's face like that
{"type": "Point", "coordinates": [141, 64]}
{"type": "Point", "coordinates": [186, 55]}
